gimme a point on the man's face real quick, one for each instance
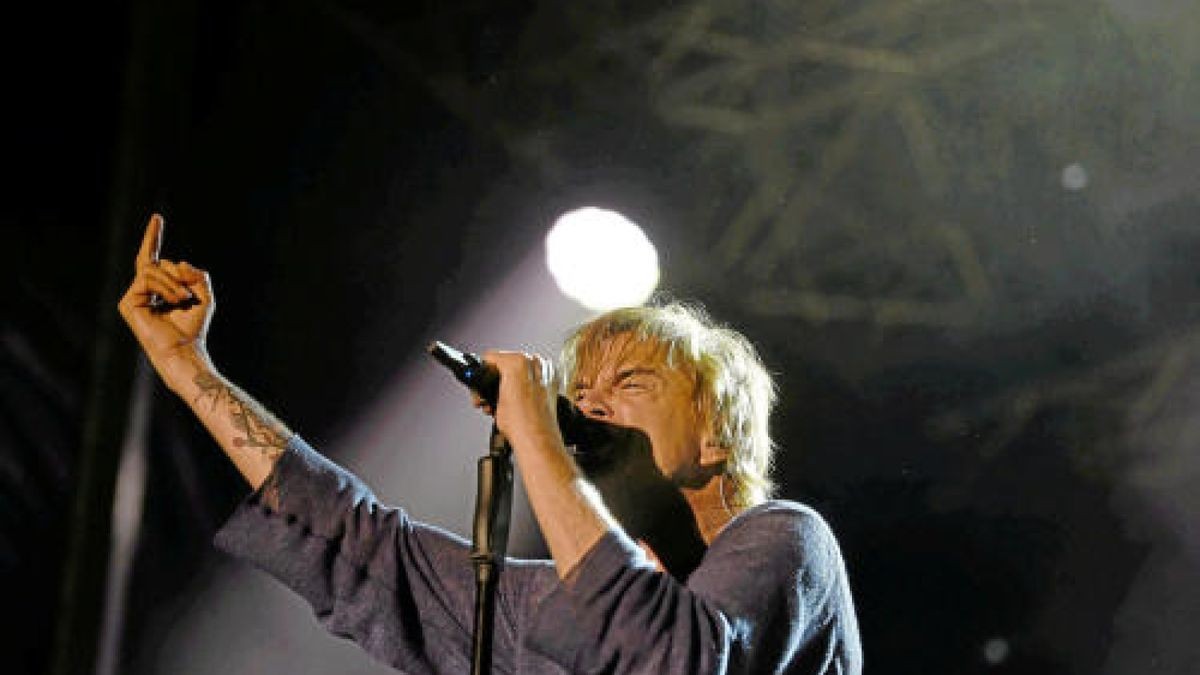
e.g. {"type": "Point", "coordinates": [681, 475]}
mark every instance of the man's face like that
{"type": "Point", "coordinates": [630, 385]}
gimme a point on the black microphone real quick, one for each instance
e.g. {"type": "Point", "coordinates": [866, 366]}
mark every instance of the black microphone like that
{"type": "Point", "coordinates": [481, 378]}
{"type": "Point", "coordinates": [582, 435]}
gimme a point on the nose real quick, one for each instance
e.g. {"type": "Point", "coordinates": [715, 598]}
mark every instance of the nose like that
{"type": "Point", "coordinates": [594, 406]}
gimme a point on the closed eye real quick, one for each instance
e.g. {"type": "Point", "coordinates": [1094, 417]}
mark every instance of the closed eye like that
{"type": "Point", "coordinates": [636, 379]}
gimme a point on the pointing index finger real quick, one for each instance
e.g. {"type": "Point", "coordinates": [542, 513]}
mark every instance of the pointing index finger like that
{"type": "Point", "coordinates": [151, 241]}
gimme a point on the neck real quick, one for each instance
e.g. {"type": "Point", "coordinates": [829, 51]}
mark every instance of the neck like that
{"type": "Point", "coordinates": [710, 508]}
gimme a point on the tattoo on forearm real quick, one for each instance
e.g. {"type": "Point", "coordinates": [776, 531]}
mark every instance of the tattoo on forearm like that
{"type": "Point", "coordinates": [260, 430]}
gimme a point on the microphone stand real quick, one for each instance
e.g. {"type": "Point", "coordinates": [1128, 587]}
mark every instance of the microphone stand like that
{"type": "Point", "coordinates": [489, 542]}
{"type": "Point", "coordinates": [493, 502]}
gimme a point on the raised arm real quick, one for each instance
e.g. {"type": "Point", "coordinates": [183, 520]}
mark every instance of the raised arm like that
{"type": "Point", "coordinates": [168, 307]}
{"type": "Point", "coordinates": [399, 588]}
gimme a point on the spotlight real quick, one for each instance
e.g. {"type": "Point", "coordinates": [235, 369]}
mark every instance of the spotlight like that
{"type": "Point", "coordinates": [601, 259]}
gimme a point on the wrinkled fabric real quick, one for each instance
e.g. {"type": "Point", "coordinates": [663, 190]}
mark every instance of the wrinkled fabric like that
{"type": "Point", "coordinates": [770, 595]}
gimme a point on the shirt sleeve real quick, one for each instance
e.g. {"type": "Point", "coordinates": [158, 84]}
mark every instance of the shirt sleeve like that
{"type": "Point", "coordinates": [401, 589]}
{"type": "Point", "coordinates": [771, 596]}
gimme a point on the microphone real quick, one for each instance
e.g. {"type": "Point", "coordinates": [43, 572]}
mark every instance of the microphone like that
{"type": "Point", "coordinates": [481, 378]}
{"type": "Point", "coordinates": [584, 437]}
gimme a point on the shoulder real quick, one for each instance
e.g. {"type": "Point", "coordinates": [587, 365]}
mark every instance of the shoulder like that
{"type": "Point", "coordinates": [781, 545]}
{"type": "Point", "coordinates": [780, 524]}
{"type": "Point", "coordinates": [775, 570]}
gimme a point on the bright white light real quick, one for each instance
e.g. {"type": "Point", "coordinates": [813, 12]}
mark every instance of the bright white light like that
{"type": "Point", "coordinates": [995, 651]}
{"type": "Point", "coordinates": [1074, 177]}
{"type": "Point", "coordinates": [601, 259]}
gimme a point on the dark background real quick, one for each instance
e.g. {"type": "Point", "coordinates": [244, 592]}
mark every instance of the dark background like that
{"type": "Point", "coordinates": [963, 234]}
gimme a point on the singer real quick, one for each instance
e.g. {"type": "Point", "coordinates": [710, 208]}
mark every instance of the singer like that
{"type": "Point", "coordinates": [668, 557]}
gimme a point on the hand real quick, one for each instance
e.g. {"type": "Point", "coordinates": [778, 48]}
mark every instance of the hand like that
{"type": "Point", "coordinates": [527, 407]}
{"type": "Point", "coordinates": [168, 306]}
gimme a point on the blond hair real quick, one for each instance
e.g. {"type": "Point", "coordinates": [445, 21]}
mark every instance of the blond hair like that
{"type": "Point", "coordinates": [733, 390]}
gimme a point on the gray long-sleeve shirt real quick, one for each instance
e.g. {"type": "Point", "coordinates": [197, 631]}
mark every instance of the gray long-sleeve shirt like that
{"type": "Point", "coordinates": [770, 595]}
